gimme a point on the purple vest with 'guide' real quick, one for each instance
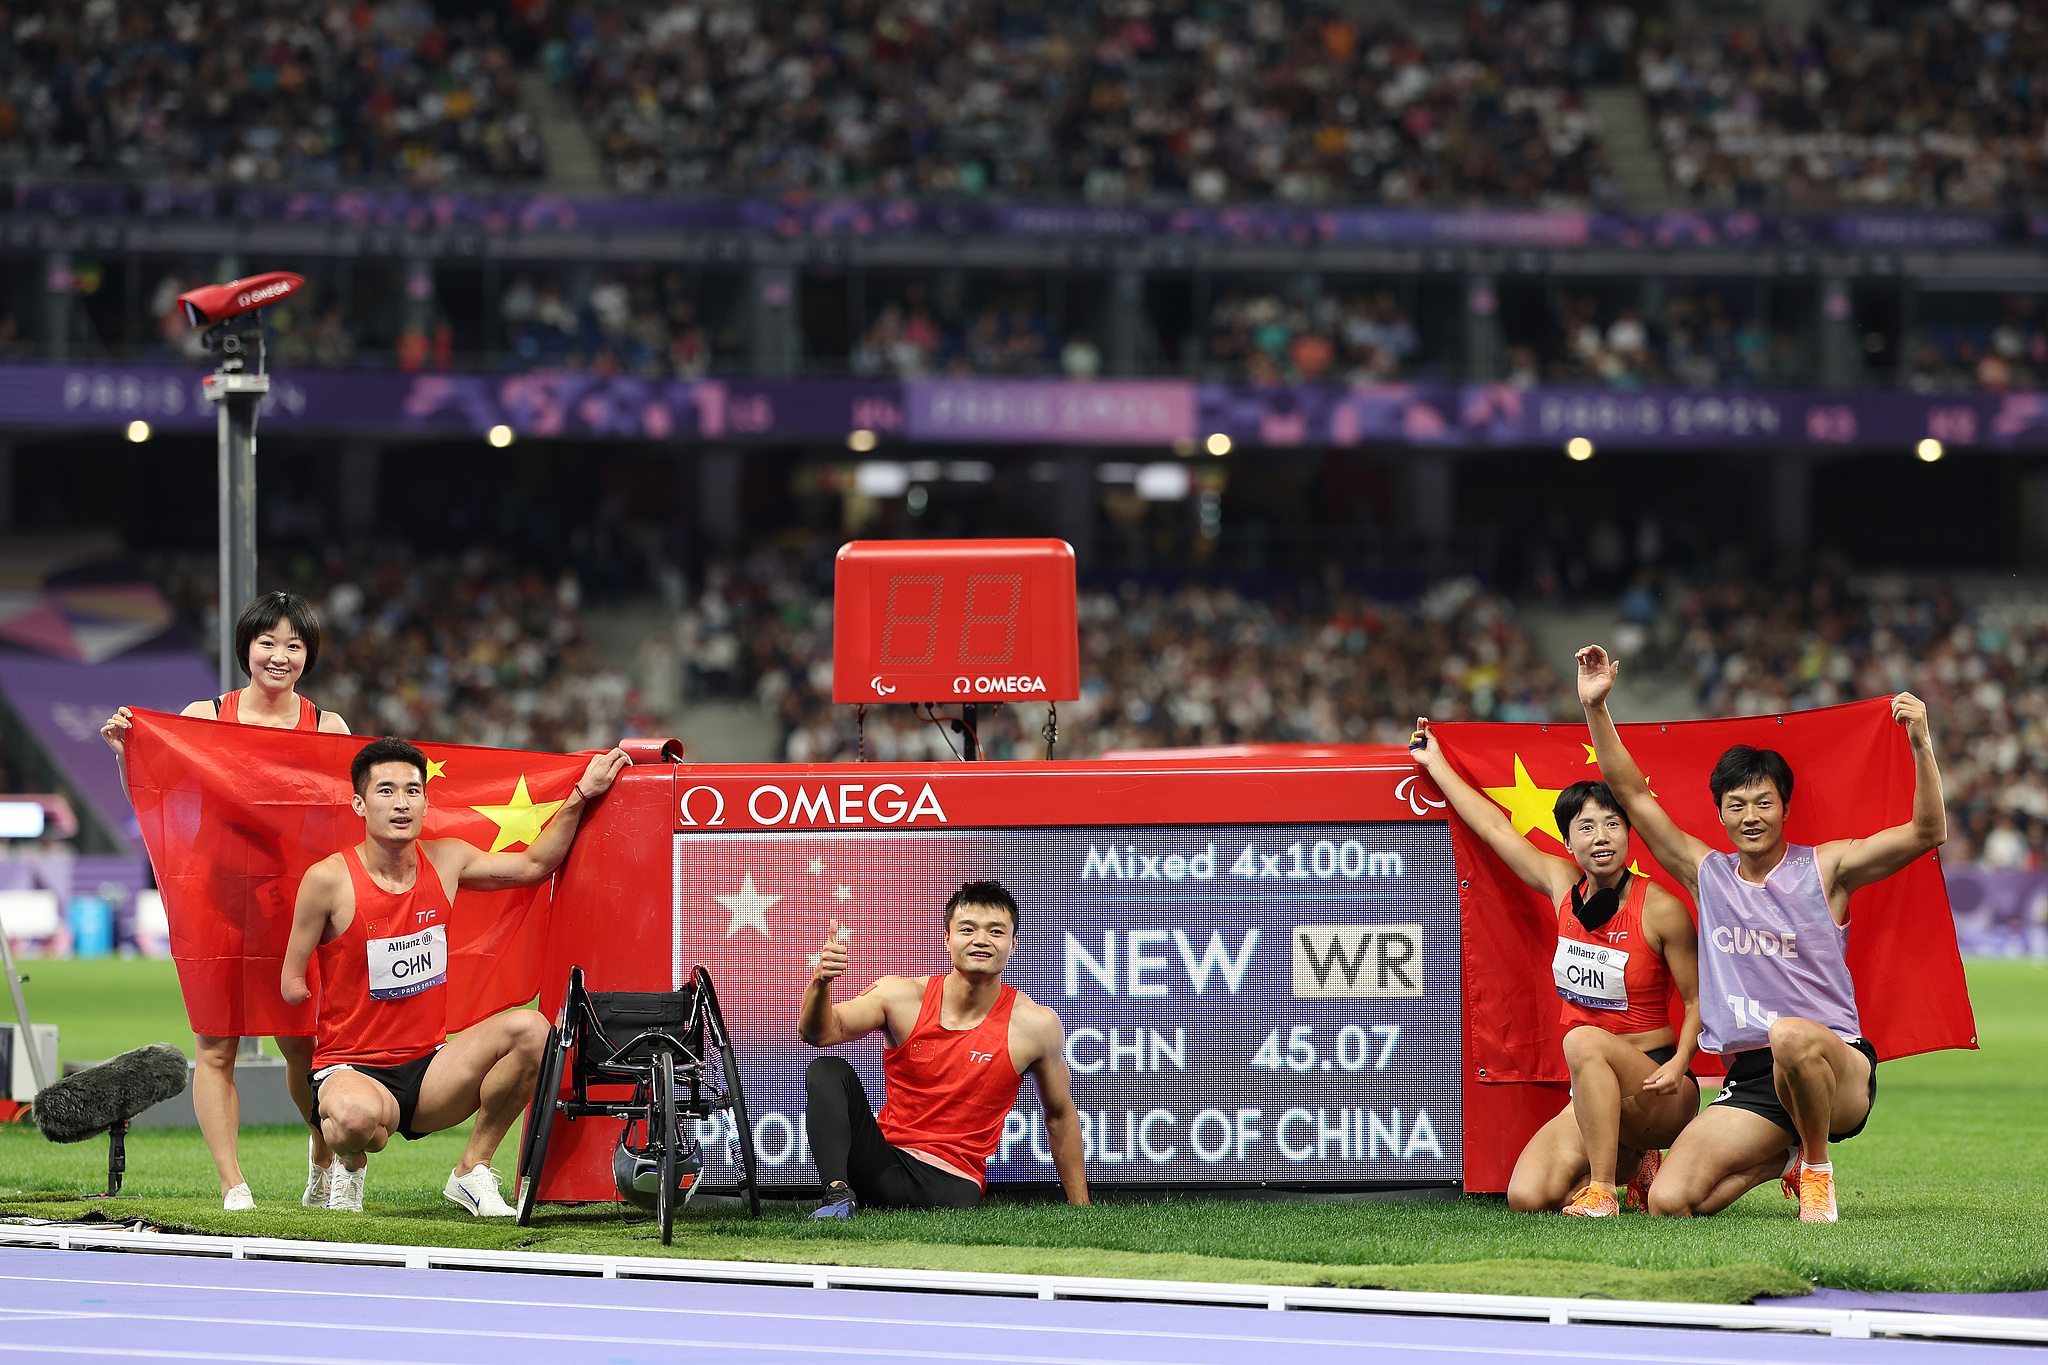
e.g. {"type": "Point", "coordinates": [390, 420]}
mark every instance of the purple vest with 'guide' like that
{"type": "Point", "coordinates": [1769, 952]}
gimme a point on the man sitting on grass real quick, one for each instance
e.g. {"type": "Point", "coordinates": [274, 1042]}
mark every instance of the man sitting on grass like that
{"type": "Point", "coordinates": [379, 915]}
{"type": "Point", "coordinates": [1775, 993]}
{"type": "Point", "coordinates": [957, 1047]}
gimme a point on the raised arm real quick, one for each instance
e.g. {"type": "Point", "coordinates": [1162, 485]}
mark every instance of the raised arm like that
{"type": "Point", "coordinates": [481, 871]}
{"type": "Point", "coordinates": [821, 1023]}
{"type": "Point", "coordinates": [1670, 932]}
{"type": "Point", "coordinates": [1848, 865]}
{"type": "Point", "coordinates": [1551, 875]}
{"type": "Point", "coordinates": [1055, 1096]}
{"type": "Point", "coordinates": [1677, 851]}
{"type": "Point", "coordinates": [320, 892]}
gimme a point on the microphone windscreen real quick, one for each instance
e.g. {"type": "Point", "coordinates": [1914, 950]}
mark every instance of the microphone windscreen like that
{"type": "Point", "coordinates": [91, 1101]}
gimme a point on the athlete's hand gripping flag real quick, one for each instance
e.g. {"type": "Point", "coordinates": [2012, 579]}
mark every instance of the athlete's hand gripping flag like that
{"type": "Point", "coordinates": [233, 815]}
{"type": "Point", "coordinates": [1855, 777]}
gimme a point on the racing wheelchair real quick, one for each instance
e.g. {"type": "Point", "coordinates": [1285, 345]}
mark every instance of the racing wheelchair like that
{"type": "Point", "coordinates": [669, 1053]}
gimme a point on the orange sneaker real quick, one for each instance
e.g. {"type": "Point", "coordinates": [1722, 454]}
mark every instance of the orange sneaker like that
{"type": "Point", "coordinates": [1816, 1195]}
{"type": "Point", "coordinates": [1638, 1195]}
{"type": "Point", "coordinates": [1592, 1202]}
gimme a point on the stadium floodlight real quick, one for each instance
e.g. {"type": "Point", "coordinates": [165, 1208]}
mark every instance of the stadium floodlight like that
{"type": "Point", "coordinates": [860, 441]}
{"type": "Point", "coordinates": [500, 436]}
{"type": "Point", "coordinates": [1929, 450]}
{"type": "Point", "coordinates": [138, 431]}
{"type": "Point", "coordinates": [1218, 443]}
{"type": "Point", "coordinates": [1579, 448]}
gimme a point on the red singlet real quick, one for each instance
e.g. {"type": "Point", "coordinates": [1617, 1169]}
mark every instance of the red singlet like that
{"type": "Point", "coordinates": [384, 979]}
{"type": "Point", "coordinates": [229, 708]}
{"type": "Point", "coordinates": [949, 1090]}
{"type": "Point", "coordinates": [1644, 988]}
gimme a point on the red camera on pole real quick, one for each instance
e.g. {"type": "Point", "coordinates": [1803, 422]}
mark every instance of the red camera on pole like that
{"type": "Point", "coordinates": [213, 303]}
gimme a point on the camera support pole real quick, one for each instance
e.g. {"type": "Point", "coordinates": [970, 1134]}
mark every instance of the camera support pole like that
{"type": "Point", "coordinates": [237, 396]}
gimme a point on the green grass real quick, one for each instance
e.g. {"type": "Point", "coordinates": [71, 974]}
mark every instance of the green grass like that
{"type": "Point", "coordinates": [1943, 1192]}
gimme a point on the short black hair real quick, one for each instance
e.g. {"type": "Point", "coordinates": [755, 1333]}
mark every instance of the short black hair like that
{"type": "Point", "coordinates": [265, 612]}
{"type": "Point", "coordinates": [1573, 799]}
{"type": "Point", "coordinates": [983, 893]}
{"type": "Point", "coordinates": [383, 751]}
{"type": "Point", "coordinates": [1745, 764]}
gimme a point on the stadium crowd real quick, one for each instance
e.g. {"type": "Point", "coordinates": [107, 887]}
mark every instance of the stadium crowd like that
{"type": "Point", "coordinates": [1261, 338]}
{"type": "Point", "coordinates": [1699, 338]}
{"type": "Point", "coordinates": [1940, 107]}
{"type": "Point", "coordinates": [1979, 659]}
{"type": "Point", "coordinates": [1187, 666]}
{"type": "Point", "coordinates": [465, 650]}
{"type": "Point", "coordinates": [1276, 99]}
{"type": "Point", "coordinates": [304, 92]}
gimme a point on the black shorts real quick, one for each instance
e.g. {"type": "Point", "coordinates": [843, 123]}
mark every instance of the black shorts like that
{"type": "Point", "coordinates": [403, 1081]}
{"type": "Point", "coordinates": [1752, 1085]}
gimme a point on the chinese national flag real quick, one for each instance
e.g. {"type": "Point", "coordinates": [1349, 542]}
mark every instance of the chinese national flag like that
{"type": "Point", "coordinates": [1852, 776]}
{"type": "Point", "coordinates": [233, 815]}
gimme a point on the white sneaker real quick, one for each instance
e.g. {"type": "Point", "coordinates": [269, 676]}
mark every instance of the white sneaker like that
{"type": "Point", "coordinates": [478, 1192]}
{"type": "Point", "coordinates": [319, 1180]}
{"type": "Point", "coordinates": [238, 1199]}
{"type": "Point", "coordinates": [345, 1187]}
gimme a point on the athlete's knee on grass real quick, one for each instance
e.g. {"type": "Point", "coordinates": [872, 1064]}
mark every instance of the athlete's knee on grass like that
{"type": "Point", "coordinates": [1533, 1196]}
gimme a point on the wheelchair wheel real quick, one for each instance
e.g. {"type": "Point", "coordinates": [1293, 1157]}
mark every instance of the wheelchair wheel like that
{"type": "Point", "coordinates": [663, 1129]}
{"type": "Point", "coordinates": [717, 1041]}
{"type": "Point", "coordinates": [540, 1121]}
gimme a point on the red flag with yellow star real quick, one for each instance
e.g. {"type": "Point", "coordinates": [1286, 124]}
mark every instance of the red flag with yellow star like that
{"type": "Point", "coordinates": [1852, 776]}
{"type": "Point", "coordinates": [233, 815]}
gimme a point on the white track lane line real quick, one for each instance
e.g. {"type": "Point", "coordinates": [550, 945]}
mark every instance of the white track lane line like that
{"type": "Point", "coordinates": [905, 1353]}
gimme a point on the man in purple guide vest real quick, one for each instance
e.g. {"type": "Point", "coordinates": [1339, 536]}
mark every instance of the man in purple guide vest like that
{"type": "Point", "coordinates": [1775, 996]}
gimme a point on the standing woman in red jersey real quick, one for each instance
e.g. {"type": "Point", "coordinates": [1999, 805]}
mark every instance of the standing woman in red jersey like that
{"type": "Point", "coordinates": [277, 639]}
{"type": "Point", "coordinates": [1623, 944]}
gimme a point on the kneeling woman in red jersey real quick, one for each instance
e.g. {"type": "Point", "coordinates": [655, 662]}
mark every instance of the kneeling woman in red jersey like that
{"type": "Point", "coordinates": [1622, 944]}
{"type": "Point", "coordinates": [955, 1051]}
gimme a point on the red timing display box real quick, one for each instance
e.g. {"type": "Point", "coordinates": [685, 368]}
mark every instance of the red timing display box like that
{"type": "Point", "coordinates": [955, 621]}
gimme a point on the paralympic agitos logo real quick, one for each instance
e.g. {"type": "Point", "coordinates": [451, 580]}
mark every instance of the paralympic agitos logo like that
{"type": "Point", "coordinates": [831, 803]}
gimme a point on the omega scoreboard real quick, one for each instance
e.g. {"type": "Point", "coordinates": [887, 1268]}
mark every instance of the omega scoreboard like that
{"type": "Point", "coordinates": [955, 621]}
{"type": "Point", "coordinates": [1257, 961]}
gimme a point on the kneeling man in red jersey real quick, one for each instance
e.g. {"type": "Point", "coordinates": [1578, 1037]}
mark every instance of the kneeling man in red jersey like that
{"type": "Point", "coordinates": [379, 914]}
{"type": "Point", "coordinates": [955, 1052]}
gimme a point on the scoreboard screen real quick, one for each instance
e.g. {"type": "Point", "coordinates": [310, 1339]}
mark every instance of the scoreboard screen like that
{"type": "Point", "coordinates": [1244, 1004]}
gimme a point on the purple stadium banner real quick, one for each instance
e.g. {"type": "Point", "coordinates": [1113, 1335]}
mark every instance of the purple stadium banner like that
{"type": "Point", "coordinates": [1116, 412]}
{"type": "Point", "coordinates": [1999, 913]}
{"type": "Point", "coordinates": [508, 212]}
{"type": "Point", "coordinates": [558, 403]}
{"type": "Point", "coordinates": [64, 703]}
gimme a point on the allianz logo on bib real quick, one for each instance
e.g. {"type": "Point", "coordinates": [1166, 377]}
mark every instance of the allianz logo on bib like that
{"type": "Point", "coordinates": [1738, 942]}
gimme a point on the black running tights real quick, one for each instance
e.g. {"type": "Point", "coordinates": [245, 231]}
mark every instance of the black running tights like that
{"type": "Point", "coordinates": [847, 1145]}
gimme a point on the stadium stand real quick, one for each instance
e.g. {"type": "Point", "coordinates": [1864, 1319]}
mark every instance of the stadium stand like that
{"type": "Point", "coordinates": [302, 93]}
{"type": "Point", "coordinates": [1920, 106]}
{"type": "Point", "coordinates": [1977, 654]}
{"type": "Point", "coordinates": [1279, 99]}
{"type": "Point", "coordinates": [468, 650]}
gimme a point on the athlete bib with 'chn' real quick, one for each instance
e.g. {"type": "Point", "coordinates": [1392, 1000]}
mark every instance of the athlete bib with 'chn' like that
{"type": "Point", "coordinates": [407, 965]}
{"type": "Point", "coordinates": [1591, 975]}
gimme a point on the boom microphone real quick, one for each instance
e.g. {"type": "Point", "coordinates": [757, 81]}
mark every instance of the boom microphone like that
{"type": "Point", "coordinates": [90, 1102]}
{"type": "Point", "coordinates": [103, 1098]}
